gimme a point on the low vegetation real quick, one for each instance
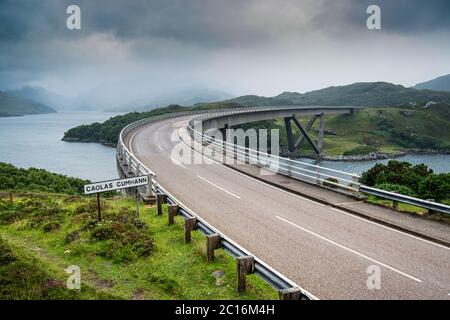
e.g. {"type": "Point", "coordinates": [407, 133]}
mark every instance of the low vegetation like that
{"type": "Point", "coordinates": [367, 94]}
{"type": "Point", "coordinates": [381, 130]}
{"type": "Point", "coordinates": [12, 178]}
{"type": "Point", "coordinates": [122, 257]}
{"type": "Point", "coordinates": [24, 277]}
{"type": "Point", "coordinates": [360, 150]}
{"type": "Point", "coordinates": [416, 181]}
{"type": "Point", "coordinates": [395, 119]}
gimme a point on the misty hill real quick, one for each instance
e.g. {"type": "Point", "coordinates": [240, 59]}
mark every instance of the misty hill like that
{"type": "Point", "coordinates": [11, 105]}
{"type": "Point", "coordinates": [185, 97]}
{"type": "Point", "coordinates": [43, 96]}
{"type": "Point", "coordinates": [366, 94]}
{"type": "Point", "coordinates": [438, 84]}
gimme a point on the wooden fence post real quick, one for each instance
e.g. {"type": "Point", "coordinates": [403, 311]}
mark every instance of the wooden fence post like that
{"type": "Point", "coordinates": [160, 199]}
{"type": "Point", "coordinates": [395, 204]}
{"type": "Point", "coordinates": [173, 211]}
{"type": "Point", "coordinates": [245, 265]}
{"type": "Point", "coordinates": [212, 243]}
{"type": "Point", "coordinates": [189, 225]}
{"type": "Point", "coordinates": [289, 294]}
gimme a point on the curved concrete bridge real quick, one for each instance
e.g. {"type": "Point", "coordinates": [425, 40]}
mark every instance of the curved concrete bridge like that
{"type": "Point", "coordinates": [327, 251]}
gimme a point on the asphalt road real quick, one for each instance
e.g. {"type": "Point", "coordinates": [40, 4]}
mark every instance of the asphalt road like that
{"type": "Point", "coordinates": [324, 250]}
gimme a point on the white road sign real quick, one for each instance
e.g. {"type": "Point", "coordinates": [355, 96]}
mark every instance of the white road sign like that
{"type": "Point", "coordinates": [111, 185]}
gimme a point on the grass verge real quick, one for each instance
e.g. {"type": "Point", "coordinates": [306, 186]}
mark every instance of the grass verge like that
{"type": "Point", "coordinates": [123, 257]}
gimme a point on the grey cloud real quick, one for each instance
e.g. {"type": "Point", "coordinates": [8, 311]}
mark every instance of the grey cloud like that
{"type": "Point", "coordinates": [224, 42]}
{"type": "Point", "coordinates": [213, 22]}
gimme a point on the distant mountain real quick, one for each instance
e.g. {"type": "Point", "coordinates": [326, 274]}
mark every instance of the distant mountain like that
{"type": "Point", "coordinates": [439, 84]}
{"type": "Point", "coordinates": [43, 96]}
{"type": "Point", "coordinates": [185, 97]}
{"type": "Point", "coordinates": [121, 96]}
{"type": "Point", "coordinates": [367, 94]}
{"type": "Point", "coordinates": [11, 105]}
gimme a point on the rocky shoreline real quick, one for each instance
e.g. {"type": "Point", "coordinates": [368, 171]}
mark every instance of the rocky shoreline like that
{"type": "Point", "coordinates": [380, 155]}
{"type": "Point", "coordinates": [365, 157]}
{"type": "Point", "coordinates": [104, 143]}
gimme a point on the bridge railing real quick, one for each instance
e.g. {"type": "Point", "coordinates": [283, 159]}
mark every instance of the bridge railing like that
{"type": "Point", "coordinates": [427, 204]}
{"type": "Point", "coordinates": [136, 167]}
{"type": "Point", "coordinates": [293, 168]}
{"type": "Point", "coordinates": [301, 170]}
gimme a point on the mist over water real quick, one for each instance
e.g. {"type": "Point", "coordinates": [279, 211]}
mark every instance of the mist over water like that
{"type": "Point", "coordinates": [35, 141]}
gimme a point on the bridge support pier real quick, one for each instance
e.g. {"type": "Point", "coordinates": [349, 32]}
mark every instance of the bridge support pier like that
{"type": "Point", "coordinates": [130, 167]}
{"type": "Point", "coordinates": [124, 161]}
{"type": "Point", "coordinates": [320, 135]}
{"type": "Point", "coordinates": [212, 243]}
{"type": "Point", "coordinates": [223, 131]}
{"type": "Point", "coordinates": [290, 136]}
{"type": "Point", "coordinates": [245, 266]}
{"type": "Point", "coordinates": [304, 133]}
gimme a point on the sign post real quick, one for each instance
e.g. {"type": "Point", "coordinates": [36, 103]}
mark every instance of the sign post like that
{"type": "Point", "coordinates": [99, 214]}
{"type": "Point", "coordinates": [111, 185]}
{"type": "Point", "coordinates": [138, 202]}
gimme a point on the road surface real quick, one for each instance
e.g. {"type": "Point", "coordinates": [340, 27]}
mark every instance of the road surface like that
{"type": "Point", "coordinates": [326, 251]}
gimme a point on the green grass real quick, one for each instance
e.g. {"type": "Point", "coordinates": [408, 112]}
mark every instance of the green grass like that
{"type": "Point", "coordinates": [404, 207]}
{"type": "Point", "coordinates": [114, 264]}
{"type": "Point", "coordinates": [24, 277]}
{"type": "Point", "coordinates": [385, 130]}
{"type": "Point", "coordinates": [401, 206]}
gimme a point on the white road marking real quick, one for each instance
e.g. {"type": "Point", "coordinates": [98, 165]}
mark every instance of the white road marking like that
{"type": "Point", "coordinates": [177, 163]}
{"type": "Point", "coordinates": [251, 178]}
{"type": "Point", "coordinates": [322, 205]}
{"type": "Point", "coordinates": [235, 244]}
{"type": "Point", "coordinates": [218, 187]}
{"type": "Point", "coordinates": [131, 143]}
{"type": "Point", "coordinates": [392, 229]}
{"type": "Point", "coordinates": [350, 250]}
{"type": "Point", "coordinates": [159, 147]}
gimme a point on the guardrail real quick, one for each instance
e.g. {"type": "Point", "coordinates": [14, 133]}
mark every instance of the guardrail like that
{"type": "Point", "coordinates": [430, 205]}
{"type": "Point", "coordinates": [296, 169]}
{"type": "Point", "coordinates": [290, 167]}
{"type": "Point", "coordinates": [287, 288]}
{"type": "Point", "coordinates": [300, 170]}
{"type": "Point", "coordinates": [274, 278]}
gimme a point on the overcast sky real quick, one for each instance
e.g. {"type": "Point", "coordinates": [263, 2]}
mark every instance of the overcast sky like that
{"type": "Point", "coordinates": [259, 47]}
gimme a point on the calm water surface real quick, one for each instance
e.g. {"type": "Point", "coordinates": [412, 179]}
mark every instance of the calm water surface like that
{"type": "Point", "coordinates": [440, 163]}
{"type": "Point", "coordinates": [35, 141]}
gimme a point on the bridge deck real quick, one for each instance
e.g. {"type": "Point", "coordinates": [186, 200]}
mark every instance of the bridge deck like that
{"type": "Point", "coordinates": [324, 250]}
{"type": "Point", "coordinates": [429, 228]}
